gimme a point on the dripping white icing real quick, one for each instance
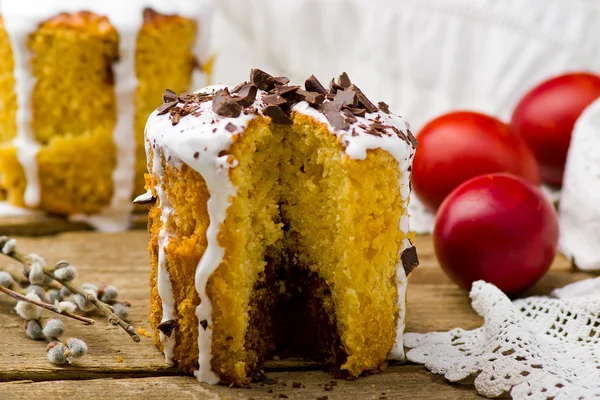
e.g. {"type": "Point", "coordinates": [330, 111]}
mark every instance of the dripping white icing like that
{"type": "Point", "coordinates": [18, 30]}
{"type": "Point", "coordinates": [356, 147]}
{"type": "Point", "coordinates": [164, 284]}
{"type": "Point", "coordinates": [206, 135]}
{"type": "Point", "coordinates": [21, 18]}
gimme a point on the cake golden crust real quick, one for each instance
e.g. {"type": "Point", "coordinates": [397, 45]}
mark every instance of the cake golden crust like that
{"type": "Point", "coordinates": [82, 21]}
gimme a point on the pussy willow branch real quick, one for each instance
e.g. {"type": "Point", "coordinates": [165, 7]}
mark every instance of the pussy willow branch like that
{"type": "Point", "coordinates": [17, 276]}
{"type": "Point", "coordinates": [102, 307]}
{"type": "Point", "coordinates": [49, 307]}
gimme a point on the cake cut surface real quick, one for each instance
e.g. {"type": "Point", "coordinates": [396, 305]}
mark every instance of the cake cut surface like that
{"type": "Point", "coordinates": [278, 222]}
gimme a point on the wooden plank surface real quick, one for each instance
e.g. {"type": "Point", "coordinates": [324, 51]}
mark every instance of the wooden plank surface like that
{"type": "Point", "coordinates": [408, 382]}
{"type": "Point", "coordinates": [44, 225]}
{"type": "Point", "coordinates": [435, 303]}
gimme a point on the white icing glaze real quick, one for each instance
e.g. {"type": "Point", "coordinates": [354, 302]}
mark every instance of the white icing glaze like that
{"type": "Point", "coordinates": [18, 29]}
{"type": "Point", "coordinates": [356, 147]}
{"type": "Point", "coordinates": [197, 142]}
{"type": "Point", "coordinates": [164, 284]}
{"type": "Point", "coordinates": [21, 18]}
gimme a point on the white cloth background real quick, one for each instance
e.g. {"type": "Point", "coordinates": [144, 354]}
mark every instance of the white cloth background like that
{"type": "Point", "coordinates": [424, 58]}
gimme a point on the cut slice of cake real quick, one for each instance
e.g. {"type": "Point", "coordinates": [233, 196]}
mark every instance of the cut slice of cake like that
{"type": "Point", "coordinates": [278, 221]}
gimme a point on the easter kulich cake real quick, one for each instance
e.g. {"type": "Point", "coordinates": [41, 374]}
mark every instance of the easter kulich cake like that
{"type": "Point", "coordinates": [278, 221]}
{"type": "Point", "coordinates": [77, 83]}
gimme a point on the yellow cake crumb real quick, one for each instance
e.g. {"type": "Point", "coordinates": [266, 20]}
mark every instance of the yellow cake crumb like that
{"type": "Point", "coordinates": [143, 332]}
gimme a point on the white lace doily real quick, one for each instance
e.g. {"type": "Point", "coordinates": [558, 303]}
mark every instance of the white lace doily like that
{"type": "Point", "coordinates": [535, 348]}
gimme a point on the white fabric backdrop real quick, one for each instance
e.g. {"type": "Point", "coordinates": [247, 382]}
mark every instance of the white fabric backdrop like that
{"type": "Point", "coordinates": [423, 57]}
{"type": "Point", "coordinates": [427, 57]}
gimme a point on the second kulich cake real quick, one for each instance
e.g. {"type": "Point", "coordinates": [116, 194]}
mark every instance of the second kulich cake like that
{"type": "Point", "coordinates": [77, 79]}
{"type": "Point", "coordinates": [278, 221]}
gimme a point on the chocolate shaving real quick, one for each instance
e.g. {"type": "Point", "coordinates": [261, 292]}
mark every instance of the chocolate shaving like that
{"type": "Point", "coordinates": [167, 327]}
{"type": "Point", "coordinates": [175, 119]}
{"type": "Point", "coordinates": [183, 97]}
{"type": "Point", "coordinates": [190, 108]}
{"type": "Point", "coordinates": [204, 324]}
{"type": "Point", "coordinates": [315, 99]}
{"type": "Point", "coordinates": [349, 116]}
{"type": "Point", "coordinates": [274, 100]}
{"type": "Point", "coordinates": [146, 198]}
{"type": "Point", "coordinates": [166, 107]}
{"type": "Point", "coordinates": [277, 115]}
{"type": "Point", "coordinates": [410, 260]}
{"type": "Point", "coordinates": [285, 89]}
{"type": "Point", "coordinates": [330, 106]}
{"type": "Point", "coordinates": [362, 99]}
{"type": "Point", "coordinates": [334, 87]}
{"type": "Point", "coordinates": [247, 94]}
{"type": "Point", "coordinates": [238, 87]}
{"type": "Point", "coordinates": [413, 140]}
{"type": "Point", "coordinates": [359, 112]}
{"type": "Point", "coordinates": [376, 126]}
{"type": "Point", "coordinates": [262, 80]}
{"type": "Point", "coordinates": [196, 155]}
{"type": "Point", "coordinates": [230, 127]}
{"type": "Point", "coordinates": [281, 80]}
{"type": "Point", "coordinates": [169, 96]}
{"type": "Point", "coordinates": [346, 98]}
{"type": "Point", "coordinates": [202, 97]}
{"type": "Point", "coordinates": [344, 80]}
{"type": "Point", "coordinates": [336, 119]}
{"type": "Point", "coordinates": [312, 84]}
{"type": "Point", "coordinates": [384, 107]}
{"type": "Point", "coordinates": [225, 105]}
{"type": "Point", "coordinates": [400, 134]}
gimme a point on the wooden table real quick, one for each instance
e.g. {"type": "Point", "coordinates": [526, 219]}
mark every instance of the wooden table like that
{"type": "Point", "coordinates": [118, 368]}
